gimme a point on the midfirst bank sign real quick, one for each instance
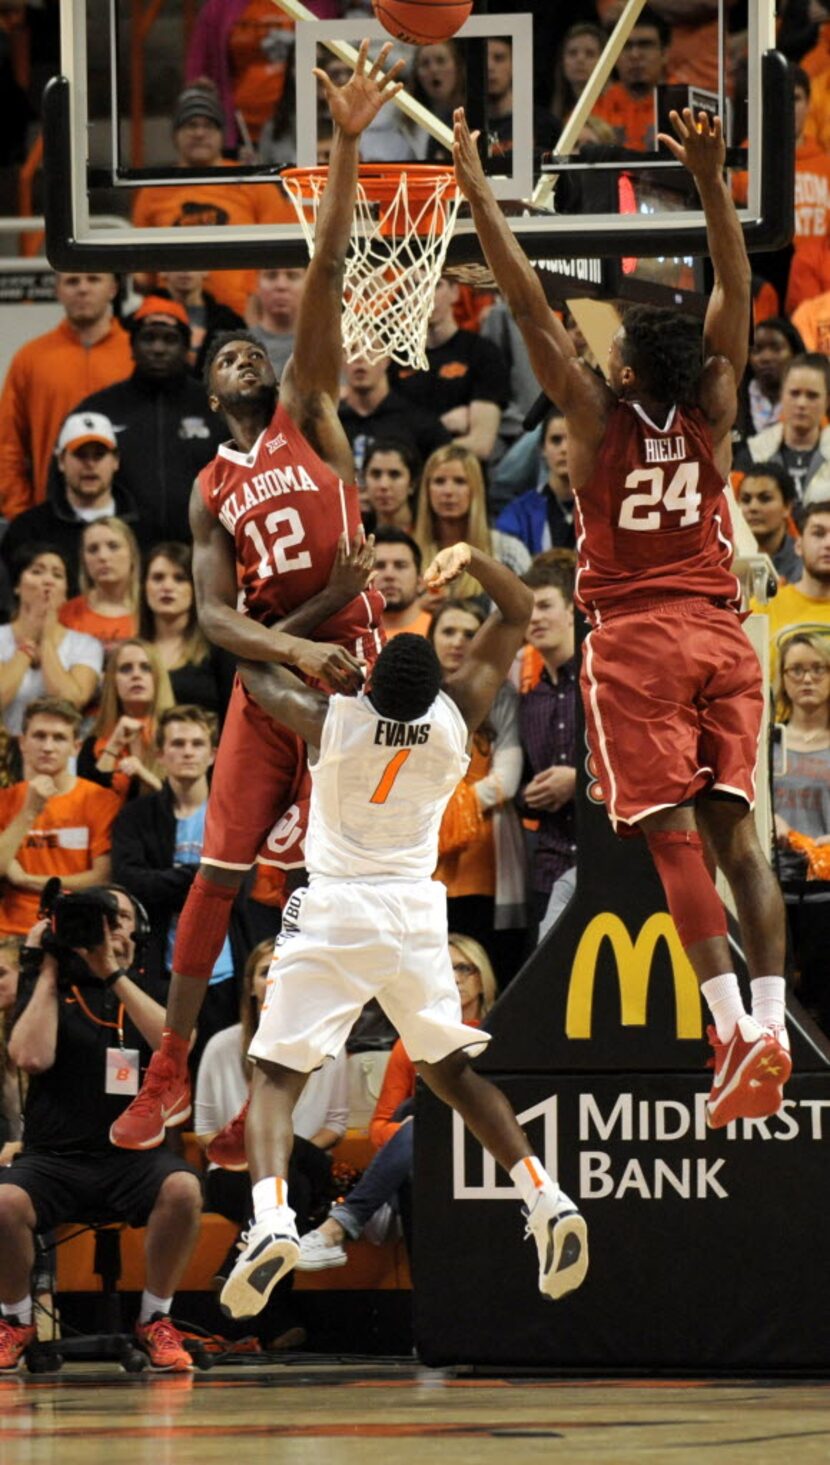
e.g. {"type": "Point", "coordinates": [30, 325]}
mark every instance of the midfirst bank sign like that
{"type": "Point", "coordinates": [625, 1139]}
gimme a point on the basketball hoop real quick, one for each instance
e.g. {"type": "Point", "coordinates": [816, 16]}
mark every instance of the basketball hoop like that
{"type": "Point", "coordinates": [403, 222]}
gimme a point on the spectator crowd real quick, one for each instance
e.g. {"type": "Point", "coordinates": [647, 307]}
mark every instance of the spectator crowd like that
{"type": "Point", "coordinates": [112, 699]}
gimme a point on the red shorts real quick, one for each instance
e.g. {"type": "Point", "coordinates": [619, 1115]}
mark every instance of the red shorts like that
{"type": "Point", "coordinates": [257, 775]}
{"type": "Point", "coordinates": [673, 706]}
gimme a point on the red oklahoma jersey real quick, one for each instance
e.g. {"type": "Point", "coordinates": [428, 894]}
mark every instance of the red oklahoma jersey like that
{"type": "Point", "coordinates": [285, 510]}
{"type": "Point", "coordinates": [652, 522]}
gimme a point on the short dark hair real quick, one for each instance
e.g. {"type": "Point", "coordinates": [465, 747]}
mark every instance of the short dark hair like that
{"type": "Point", "coordinates": [405, 679]}
{"type": "Point", "coordinates": [650, 17]}
{"type": "Point", "coordinates": [52, 707]}
{"type": "Point", "coordinates": [187, 712]}
{"type": "Point", "coordinates": [784, 328]}
{"type": "Point", "coordinates": [221, 339]}
{"type": "Point", "coordinates": [388, 534]}
{"type": "Point", "coordinates": [807, 512]}
{"type": "Point", "coordinates": [664, 348]}
{"type": "Point", "coordinates": [405, 450]}
{"type": "Point", "coordinates": [813, 361]}
{"type": "Point", "coordinates": [776, 471]}
{"type": "Point", "coordinates": [26, 554]}
{"type": "Point", "coordinates": [555, 568]}
{"type": "Point", "coordinates": [552, 412]}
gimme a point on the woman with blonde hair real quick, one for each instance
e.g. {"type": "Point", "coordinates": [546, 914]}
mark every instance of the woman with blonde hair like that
{"type": "Point", "coordinates": [386, 1184]}
{"type": "Point", "coordinates": [452, 508]}
{"type": "Point", "coordinates": [801, 790]}
{"type": "Point", "coordinates": [107, 606]}
{"type": "Point", "coordinates": [121, 751]}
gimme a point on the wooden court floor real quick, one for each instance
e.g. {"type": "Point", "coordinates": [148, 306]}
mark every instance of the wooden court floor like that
{"type": "Point", "coordinates": [302, 1412]}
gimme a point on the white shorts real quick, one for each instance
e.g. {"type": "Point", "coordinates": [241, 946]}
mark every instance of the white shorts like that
{"type": "Point", "coordinates": [357, 940]}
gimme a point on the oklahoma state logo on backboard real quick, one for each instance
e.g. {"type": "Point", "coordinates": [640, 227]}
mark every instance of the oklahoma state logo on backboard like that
{"type": "Point", "coordinates": [634, 959]}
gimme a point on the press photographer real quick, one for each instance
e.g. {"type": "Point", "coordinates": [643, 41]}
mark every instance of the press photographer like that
{"type": "Point", "coordinates": [85, 1026]}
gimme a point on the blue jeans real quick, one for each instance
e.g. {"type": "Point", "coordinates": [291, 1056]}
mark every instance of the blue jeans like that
{"type": "Point", "coordinates": [389, 1169]}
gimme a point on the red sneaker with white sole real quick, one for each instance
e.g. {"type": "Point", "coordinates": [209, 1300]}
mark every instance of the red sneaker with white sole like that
{"type": "Point", "coordinates": [749, 1072]}
{"type": "Point", "coordinates": [164, 1098]}
{"type": "Point", "coordinates": [227, 1148]}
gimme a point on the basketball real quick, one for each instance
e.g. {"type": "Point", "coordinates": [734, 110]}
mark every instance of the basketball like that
{"type": "Point", "coordinates": [421, 22]}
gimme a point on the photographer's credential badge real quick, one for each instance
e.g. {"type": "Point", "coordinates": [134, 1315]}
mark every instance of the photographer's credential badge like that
{"type": "Point", "coordinates": [122, 1071]}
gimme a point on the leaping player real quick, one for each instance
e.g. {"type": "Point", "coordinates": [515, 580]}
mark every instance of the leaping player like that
{"type": "Point", "coordinates": [373, 922]}
{"type": "Point", "coordinates": [270, 514]}
{"type": "Point", "coordinates": [671, 685]}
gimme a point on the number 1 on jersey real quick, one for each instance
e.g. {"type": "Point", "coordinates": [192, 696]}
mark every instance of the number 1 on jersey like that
{"type": "Point", "coordinates": [387, 778]}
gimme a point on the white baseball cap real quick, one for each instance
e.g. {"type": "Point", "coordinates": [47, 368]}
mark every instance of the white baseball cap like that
{"type": "Point", "coordinates": [86, 427]}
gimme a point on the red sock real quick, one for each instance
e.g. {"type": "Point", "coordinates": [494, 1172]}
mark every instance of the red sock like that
{"type": "Point", "coordinates": [175, 1048]}
{"type": "Point", "coordinates": [203, 926]}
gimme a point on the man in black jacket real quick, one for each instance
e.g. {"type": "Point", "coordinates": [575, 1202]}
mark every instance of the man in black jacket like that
{"type": "Point", "coordinates": [85, 487]}
{"type": "Point", "coordinates": [165, 430]}
{"type": "Point", "coordinates": [157, 844]}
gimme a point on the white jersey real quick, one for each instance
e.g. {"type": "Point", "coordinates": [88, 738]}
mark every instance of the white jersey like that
{"type": "Point", "coordinates": [379, 790]}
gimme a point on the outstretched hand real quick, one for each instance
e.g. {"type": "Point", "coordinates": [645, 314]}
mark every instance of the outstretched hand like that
{"type": "Point", "coordinates": [447, 565]}
{"type": "Point", "coordinates": [699, 145]}
{"type": "Point", "coordinates": [354, 105]}
{"type": "Point", "coordinates": [353, 566]}
{"type": "Point", "coordinates": [469, 174]}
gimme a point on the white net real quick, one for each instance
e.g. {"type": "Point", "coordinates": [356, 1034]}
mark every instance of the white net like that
{"type": "Point", "coordinates": [399, 244]}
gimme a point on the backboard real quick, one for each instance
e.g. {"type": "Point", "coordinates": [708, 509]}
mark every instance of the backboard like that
{"type": "Point", "coordinates": [568, 212]}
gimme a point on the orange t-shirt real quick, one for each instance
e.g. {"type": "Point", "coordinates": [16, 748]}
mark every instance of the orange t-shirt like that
{"type": "Point", "coordinates": [201, 204]}
{"type": "Point", "coordinates": [419, 627]}
{"type": "Point", "coordinates": [258, 47]}
{"type": "Point", "coordinates": [69, 833]}
{"type": "Point", "coordinates": [632, 118]}
{"type": "Point", "coordinates": [78, 615]}
{"type": "Point", "coordinates": [812, 320]}
{"type": "Point", "coordinates": [46, 378]}
{"type": "Point", "coordinates": [818, 60]}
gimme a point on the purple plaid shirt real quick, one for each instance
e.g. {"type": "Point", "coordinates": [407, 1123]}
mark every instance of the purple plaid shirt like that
{"type": "Point", "coordinates": [547, 729]}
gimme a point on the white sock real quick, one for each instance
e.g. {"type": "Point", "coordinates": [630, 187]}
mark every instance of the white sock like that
{"type": "Point", "coordinates": [22, 1310]}
{"type": "Point", "coordinates": [769, 1001]}
{"type": "Point", "coordinates": [270, 1197]}
{"type": "Point", "coordinates": [725, 1003]}
{"type": "Point", "coordinates": [530, 1177]}
{"type": "Point", "coordinates": [150, 1305]}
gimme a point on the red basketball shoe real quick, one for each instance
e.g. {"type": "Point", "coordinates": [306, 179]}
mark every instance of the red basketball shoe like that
{"type": "Point", "coordinates": [227, 1148]}
{"type": "Point", "coordinates": [749, 1072]}
{"type": "Point", "coordinates": [164, 1345]}
{"type": "Point", "coordinates": [164, 1098]}
{"type": "Point", "coordinates": [14, 1340]}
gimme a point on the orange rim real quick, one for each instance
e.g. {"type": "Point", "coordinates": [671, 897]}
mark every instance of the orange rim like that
{"type": "Point", "coordinates": [380, 180]}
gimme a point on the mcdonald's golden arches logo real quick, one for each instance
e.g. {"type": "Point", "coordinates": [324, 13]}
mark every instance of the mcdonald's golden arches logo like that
{"type": "Point", "coordinates": [634, 959]}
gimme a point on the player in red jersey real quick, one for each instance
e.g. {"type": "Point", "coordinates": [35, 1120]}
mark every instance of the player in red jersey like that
{"type": "Point", "coordinates": [275, 518]}
{"type": "Point", "coordinates": [671, 685]}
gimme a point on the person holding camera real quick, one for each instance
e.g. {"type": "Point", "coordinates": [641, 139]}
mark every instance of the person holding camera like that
{"type": "Point", "coordinates": [85, 1026]}
{"type": "Point", "coordinates": [51, 823]}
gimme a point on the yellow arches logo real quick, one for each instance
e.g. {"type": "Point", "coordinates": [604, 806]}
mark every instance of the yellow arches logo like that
{"type": "Point", "coordinates": [634, 959]}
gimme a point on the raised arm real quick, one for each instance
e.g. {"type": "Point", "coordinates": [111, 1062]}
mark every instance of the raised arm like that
{"type": "Point", "coordinates": [310, 385]}
{"type": "Point", "coordinates": [700, 146]}
{"type": "Point", "coordinates": [567, 381]}
{"type": "Point", "coordinates": [214, 577]}
{"type": "Point", "coordinates": [475, 685]}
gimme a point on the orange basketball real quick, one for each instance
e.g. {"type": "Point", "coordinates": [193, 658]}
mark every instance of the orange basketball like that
{"type": "Point", "coordinates": [421, 22]}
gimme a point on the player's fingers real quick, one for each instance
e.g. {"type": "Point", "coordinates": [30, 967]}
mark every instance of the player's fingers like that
{"type": "Point", "coordinates": [392, 74]}
{"type": "Point", "coordinates": [673, 145]}
{"type": "Point", "coordinates": [360, 64]}
{"type": "Point", "coordinates": [683, 126]}
{"type": "Point", "coordinates": [325, 81]}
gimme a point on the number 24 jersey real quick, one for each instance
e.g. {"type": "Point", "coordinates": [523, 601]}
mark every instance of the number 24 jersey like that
{"type": "Point", "coordinates": [652, 520]}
